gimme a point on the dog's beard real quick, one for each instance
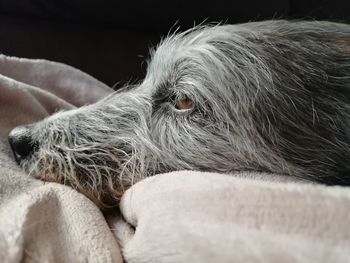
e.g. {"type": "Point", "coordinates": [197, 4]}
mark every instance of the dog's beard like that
{"type": "Point", "coordinates": [101, 174]}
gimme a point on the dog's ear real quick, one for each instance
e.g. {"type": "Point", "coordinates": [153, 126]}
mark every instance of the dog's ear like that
{"type": "Point", "coordinates": [297, 76]}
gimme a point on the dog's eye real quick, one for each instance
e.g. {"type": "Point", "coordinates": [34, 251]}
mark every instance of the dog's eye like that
{"type": "Point", "coordinates": [184, 103]}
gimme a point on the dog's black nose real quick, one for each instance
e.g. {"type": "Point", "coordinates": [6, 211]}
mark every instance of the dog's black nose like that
{"type": "Point", "coordinates": [21, 143]}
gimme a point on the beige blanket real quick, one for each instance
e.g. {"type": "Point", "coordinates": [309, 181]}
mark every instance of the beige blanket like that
{"type": "Point", "coordinates": [46, 222]}
{"type": "Point", "coordinates": [177, 217]}
{"type": "Point", "coordinates": [205, 217]}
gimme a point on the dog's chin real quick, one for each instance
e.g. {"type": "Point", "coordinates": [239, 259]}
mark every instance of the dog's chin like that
{"type": "Point", "coordinates": [104, 196]}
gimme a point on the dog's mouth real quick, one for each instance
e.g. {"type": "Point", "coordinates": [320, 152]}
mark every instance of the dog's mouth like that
{"type": "Point", "coordinates": [98, 179]}
{"type": "Point", "coordinates": [103, 195]}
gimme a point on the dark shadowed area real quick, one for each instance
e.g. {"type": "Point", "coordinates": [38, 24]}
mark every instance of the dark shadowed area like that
{"type": "Point", "coordinates": [110, 39]}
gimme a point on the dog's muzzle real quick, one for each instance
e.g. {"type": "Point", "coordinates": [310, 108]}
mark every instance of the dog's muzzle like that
{"type": "Point", "coordinates": [22, 143]}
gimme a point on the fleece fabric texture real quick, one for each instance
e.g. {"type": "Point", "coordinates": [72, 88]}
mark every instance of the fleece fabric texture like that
{"type": "Point", "coordinates": [245, 217]}
{"type": "Point", "coordinates": [46, 222]}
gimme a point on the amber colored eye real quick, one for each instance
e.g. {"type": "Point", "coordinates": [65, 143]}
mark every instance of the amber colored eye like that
{"type": "Point", "coordinates": [184, 104]}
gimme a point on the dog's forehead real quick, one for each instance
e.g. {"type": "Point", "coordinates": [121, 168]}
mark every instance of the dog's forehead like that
{"type": "Point", "coordinates": [191, 58]}
{"type": "Point", "coordinates": [181, 54]}
{"type": "Point", "coordinates": [161, 75]}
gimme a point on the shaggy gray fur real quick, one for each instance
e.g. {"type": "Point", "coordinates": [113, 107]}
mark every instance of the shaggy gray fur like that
{"type": "Point", "coordinates": [268, 96]}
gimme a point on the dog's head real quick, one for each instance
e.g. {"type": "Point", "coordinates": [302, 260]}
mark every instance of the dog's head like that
{"type": "Point", "coordinates": [219, 98]}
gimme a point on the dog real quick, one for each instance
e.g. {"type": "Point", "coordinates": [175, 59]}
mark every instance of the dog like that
{"type": "Point", "coordinates": [271, 96]}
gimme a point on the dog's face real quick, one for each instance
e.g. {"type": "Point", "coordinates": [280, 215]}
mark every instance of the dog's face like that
{"type": "Point", "coordinates": [179, 117]}
{"type": "Point", "coordinates": [214, 99]}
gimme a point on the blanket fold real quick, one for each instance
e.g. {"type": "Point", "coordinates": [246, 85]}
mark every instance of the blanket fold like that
{"type": "Point", "coordinates": [46, 222]}
{"type": "Point", "coordinates": [207, 217]}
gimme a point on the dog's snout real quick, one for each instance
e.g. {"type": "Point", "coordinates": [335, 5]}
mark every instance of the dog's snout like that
{"type": "Point", "coordinates": [21, 143]}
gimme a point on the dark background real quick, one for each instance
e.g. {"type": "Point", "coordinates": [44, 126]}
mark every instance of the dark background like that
{"type": "Point", "coordinates": [111, 39]}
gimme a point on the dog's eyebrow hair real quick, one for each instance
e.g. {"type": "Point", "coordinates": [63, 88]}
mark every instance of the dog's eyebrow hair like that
{"type": "Point", "coordinates": [162, 92]}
